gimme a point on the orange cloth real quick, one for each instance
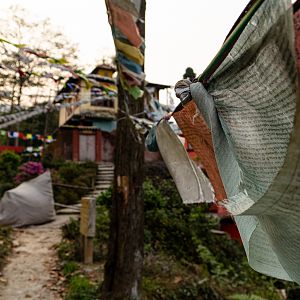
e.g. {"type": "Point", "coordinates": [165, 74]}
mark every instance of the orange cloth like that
{"type": "Point", "coordinates": [197, 133]}
{"type": "Point", "coordinates": [125, 22]}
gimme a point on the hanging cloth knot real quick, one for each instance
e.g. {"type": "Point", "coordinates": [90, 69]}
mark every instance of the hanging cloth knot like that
{"type": "Point", "coordinates": [182, 90]}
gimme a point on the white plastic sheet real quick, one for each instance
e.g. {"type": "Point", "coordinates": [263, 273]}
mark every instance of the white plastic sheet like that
{"type": "Point", "coordinates": [29, 203]}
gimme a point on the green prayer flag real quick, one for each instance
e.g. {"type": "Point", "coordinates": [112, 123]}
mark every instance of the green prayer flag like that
{"type": "Point", "coordinates": [135, 92]}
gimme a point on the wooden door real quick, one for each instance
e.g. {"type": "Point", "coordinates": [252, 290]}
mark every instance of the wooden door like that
{"type": "Point", "coordinates": [87, 147]}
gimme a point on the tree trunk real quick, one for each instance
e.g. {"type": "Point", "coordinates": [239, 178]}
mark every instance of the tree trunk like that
{"type": "Point", "coordinates": [123, 268]}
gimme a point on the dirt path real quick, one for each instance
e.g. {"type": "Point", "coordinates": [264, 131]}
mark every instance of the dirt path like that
{"type": "Point", "coordinates": [30, 270]}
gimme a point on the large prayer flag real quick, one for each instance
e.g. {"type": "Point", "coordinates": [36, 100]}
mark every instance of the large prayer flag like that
{"type": "Point", "coordinates": [244, 124]}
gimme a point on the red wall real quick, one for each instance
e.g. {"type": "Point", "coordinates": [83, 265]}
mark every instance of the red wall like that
{"type": "Point", "coordinates": [17, 149]}
{"type": "Point", "coordinates": [98, 145]}
{"type": "Point", "coordinates": [75, 134]}
{"type": "Point", "coordinates": [105, 145]}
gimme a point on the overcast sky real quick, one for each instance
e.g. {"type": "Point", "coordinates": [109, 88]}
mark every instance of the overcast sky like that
{"type": "Point", "coordinates": [179, 34]}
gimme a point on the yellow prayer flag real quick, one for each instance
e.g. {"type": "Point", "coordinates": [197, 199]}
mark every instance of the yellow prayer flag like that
{"type": "Point", "coordinates": [131, 52]}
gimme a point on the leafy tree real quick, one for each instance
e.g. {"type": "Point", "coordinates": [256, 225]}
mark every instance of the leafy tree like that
{"type": "Point", "coordinates": [37, 123]}
{"type": "Point", "coordinates": [9, 163]}
{"type": "Point", "coordinates": [189, 74]}
{"type": "Point", "coordinates": [31, 64]}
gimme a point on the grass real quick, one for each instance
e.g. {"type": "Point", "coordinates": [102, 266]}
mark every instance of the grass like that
{"type": "Point", "coordinates": [5, 244]}
{"type": "Point", "coordinates": [80, 288]}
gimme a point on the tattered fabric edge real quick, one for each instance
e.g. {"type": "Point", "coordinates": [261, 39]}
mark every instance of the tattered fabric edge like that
{"type": "Point", "coordinates": [249, 228]}
{"type": "Point", "coordinates": [193, 186]}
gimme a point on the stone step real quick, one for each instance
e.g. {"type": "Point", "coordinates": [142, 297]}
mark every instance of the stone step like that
{"type": "Point", "coordinates": [99, 189]}
{"type": "Point", "coordinates": [105, 174]}
{"type": "Point", "coordinates": [100, 181]}
{"type": "Point", "coordinates": [104, 181]}
{"type": "Point", "coordinates": [102, 187]}
{"type": "Point", "coordinates": [106, 168]}
{"type": "Point", "coordinates": [97, 194]}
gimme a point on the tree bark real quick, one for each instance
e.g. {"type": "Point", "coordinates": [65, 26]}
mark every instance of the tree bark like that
{"type": "Point", "coordinates": [123, 269]}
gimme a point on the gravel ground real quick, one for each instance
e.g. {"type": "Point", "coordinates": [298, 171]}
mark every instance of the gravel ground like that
{"type": "Point", "coordinates": [30, 271]}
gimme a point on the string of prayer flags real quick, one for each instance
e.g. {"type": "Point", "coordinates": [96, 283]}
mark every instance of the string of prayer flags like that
{"type": "Point", "coordinates": [124, 17]}
{"type": "Point", "coordinates": [27, 136]}
{"type": "Point", "coordinates": [49, 139]}
{"type": "Point", "coordinates": [247, 119]}
{"type": "Point", "coordinates": [24, 115]}
{"type": "Point", "coordinates": [29, 149]}
{"type": "Point", "coordinates": [125, 22]}
{"type": "Point", "coordinates": [60, 63]}
{"type": "Point", "coordinates": [130, 52]}
{"type": "Point", "coordinates": [34, 149]}
{"type": "Point", "coordinates": [132, 7]}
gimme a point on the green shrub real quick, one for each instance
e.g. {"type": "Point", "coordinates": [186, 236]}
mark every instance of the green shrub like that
{"type": "Point", "coordinates": [201, 290]}
{"type": "Point", "coordinates": [9, 163]}
{"type": "Point", "coordinates": [5, 243]}
{"type": "Point", "coordinates": [70, 230]}
{"type": "Point", "coordinates": [69, 248]}
{"type": "Point", "coordinates": [179, 244]}
{"type": "Point", "coordinates": [74, 174]}
{"type": "Point", "coordinates": [69, 268]}
{"type": "Point", "coordinates": [69, 171]}
{"type": "Point", "coordinates": [5, 186]}
{"type": "Point", "coordinates": [81, 289]}
{"type": "Point", "coordinates": [68, 251]}
{"type": "Point", "coordinates": [170, 225]}
{"type": "Point", "coordinates": [102, 232]}
{"type": "Point", "coordinates": [105, 198]}
{"type": "Point", "coordinates": [245, 297]}
{"type": "Point", "coordinates": [184, 232]}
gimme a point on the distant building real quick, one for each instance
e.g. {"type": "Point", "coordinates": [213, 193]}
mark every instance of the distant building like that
{"type": "Point", "coordinates": [87, 131]}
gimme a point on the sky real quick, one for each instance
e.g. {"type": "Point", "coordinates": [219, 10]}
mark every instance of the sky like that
{"type": "Point", "coordinates": [179, 33]}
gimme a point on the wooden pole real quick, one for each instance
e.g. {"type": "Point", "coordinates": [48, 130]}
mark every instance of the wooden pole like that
{"type": "Point", "coordinates": [88, 248]}
{"type": "Point", "coordinates": [123, 269]}
{"type": "Point", "coordinates": [87, 227]}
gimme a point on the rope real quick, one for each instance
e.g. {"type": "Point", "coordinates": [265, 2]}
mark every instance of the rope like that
{"type": "Point", "coordinates": [22, 116]}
